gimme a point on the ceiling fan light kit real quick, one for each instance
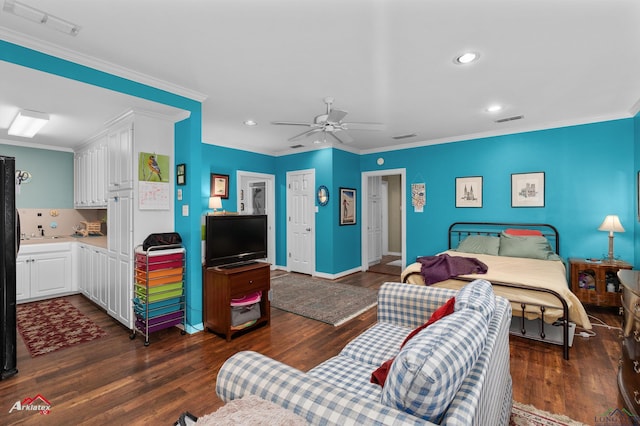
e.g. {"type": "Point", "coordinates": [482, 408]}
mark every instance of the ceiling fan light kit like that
{"type": "Point", "coordinates": [330, 124]}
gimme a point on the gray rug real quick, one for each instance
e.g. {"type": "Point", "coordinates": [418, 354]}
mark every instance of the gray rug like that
{"type": "Point", "coordinates": [322, 300]}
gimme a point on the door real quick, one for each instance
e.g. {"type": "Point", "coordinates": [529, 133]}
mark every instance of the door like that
{"type": "Point", "coordinates": [301, 221]}
{"type": "Point", "coordinates": [374, 223]}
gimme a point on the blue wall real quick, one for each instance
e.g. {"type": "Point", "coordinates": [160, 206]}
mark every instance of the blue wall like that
{"type": "Point", "coordinates": [51, 184]}
{"type": "Point", "coordinates": [589, 173]}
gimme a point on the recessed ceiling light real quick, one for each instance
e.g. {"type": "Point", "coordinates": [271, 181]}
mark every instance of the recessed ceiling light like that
{"type": "Point", "coordinates": [250, 123]}
{"type": "Point", "coordinates": [466, 58]}
{"type": "Point", "coordinates": [494, 108]}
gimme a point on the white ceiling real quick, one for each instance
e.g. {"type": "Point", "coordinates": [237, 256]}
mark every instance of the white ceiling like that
{"type": "Point", "coordinates": [556, 62]}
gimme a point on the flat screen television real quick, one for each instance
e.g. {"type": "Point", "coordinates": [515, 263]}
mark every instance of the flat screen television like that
{"type": "Point", "coordinates": [235, 240]}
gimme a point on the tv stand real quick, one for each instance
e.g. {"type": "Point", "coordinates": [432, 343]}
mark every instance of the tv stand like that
{"type": "Point", "coordinates": [223, 284]}
{"type": "Point", "coordinates": [238, 264]}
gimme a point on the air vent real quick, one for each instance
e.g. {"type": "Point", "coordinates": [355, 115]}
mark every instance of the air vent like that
{"type": "Point", "coordinates": [296, 146]}
{"type": "Point", "coordinates": [404, 136]}
{"type": "Point", "coordinates": [515, 117]}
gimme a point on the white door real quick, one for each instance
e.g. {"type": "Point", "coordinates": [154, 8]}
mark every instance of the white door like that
{"type": "Point", "coordinates": [374, 224]}
{"type": "Point", "coordinates": [257, 197]}
{"type": "Point", "coordinates": [300, 221]}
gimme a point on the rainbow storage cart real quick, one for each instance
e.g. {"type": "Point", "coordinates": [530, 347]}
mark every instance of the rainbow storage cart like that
{"type": "Point", "coordinates": [158, 294]}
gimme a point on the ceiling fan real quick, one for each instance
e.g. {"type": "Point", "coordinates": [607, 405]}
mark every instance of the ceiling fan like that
{"type": "Point", "coordinates": [331, 124]}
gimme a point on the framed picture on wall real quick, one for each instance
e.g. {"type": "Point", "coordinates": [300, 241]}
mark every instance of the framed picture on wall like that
{"type": "Point", "coordinates": [219, 185]}
{"type": "Point", "coordinates": [347, 207]}
{"type": "Point", "coordinates": [469, 191]}
{"type": "Point", "coordinates": [181, 174]}
{"type": "Point", "coordinates": [527, 189]}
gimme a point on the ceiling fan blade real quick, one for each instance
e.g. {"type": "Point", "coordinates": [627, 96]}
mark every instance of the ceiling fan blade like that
{"type": "Point", "coordinates": [303, 134]}
{"type": "Point", "coordinates": [335, 115]}
{"type": "Point", "coordinates": [342, 136]}
{"type": "Point", "coordinates": [369, 126]}
{"type": "Point", "coordinates": [292, 123]}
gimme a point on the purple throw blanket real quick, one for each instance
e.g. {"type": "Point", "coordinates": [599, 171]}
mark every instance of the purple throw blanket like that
{"type": "Point", "coordinates": [442, 267]}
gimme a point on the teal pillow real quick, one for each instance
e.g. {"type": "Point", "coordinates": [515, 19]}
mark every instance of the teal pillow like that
{"type": "Point", "coordinates": [479, 244]}
{"type": "Point", "coordinates": [532, 247]}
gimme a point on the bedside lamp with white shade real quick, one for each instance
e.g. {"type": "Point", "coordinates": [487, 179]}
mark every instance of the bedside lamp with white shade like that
{"type": "Point", "coordinates": [215, 203]}
{"type": "Point", "coordinates": [612, 224]}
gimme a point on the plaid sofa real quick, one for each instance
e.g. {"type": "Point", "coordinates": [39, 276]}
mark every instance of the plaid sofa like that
{"type": "Point", "coordinates": [466, 353]}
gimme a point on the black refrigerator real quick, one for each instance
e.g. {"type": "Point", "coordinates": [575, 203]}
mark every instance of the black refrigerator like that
{"type": "Point", "coordinates": [10, 241]}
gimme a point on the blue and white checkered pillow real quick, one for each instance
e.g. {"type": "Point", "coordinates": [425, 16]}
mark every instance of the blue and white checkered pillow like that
{"type": "Point", "coordinates": [430, 368]}
{"type": "Point", "coordinates": [477, 295]}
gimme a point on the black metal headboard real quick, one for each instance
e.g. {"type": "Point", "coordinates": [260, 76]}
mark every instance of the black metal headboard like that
{"type": "Point", "coordinates": [460, 230]}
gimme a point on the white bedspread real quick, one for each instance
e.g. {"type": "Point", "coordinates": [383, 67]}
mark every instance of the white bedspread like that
{"type": "Point", "coordinates": [549, 274]}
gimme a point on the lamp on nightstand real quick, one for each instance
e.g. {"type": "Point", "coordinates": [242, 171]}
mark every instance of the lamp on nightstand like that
{"type": "Point", "coordinates": [612, 224]}
{"type": "Point", "coordinates": [215, 203]}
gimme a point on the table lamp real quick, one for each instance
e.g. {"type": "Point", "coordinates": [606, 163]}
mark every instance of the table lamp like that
{"type": "Point", "coordinates": [215, 203]}
{"type": "Point", "coordinates": [612, 224]}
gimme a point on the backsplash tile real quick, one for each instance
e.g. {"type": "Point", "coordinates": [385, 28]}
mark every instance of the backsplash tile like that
{"type": "Point", "coordinates": [60, 225]}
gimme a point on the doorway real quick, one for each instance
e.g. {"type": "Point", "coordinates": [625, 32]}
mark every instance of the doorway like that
{"type": "Point", "coordinates": [383, 224]}
{"type": "Point", "coordinates": [257, 196]}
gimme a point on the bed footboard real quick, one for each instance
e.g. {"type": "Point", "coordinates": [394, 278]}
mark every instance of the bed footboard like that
{"type": "Point", "coordinates": [565, 309]}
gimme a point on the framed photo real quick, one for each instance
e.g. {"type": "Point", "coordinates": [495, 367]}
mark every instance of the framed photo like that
{"type": "Point", "coordinates": [469, 191]}
{"type": "Point", "coordinates": [347, 207]}
{"type": "Point", "coordinates": [219, 185]}
{"type": "Point", "coordinates": [527, 189]}
{"type": "Point", "coordinates": [181, 174]}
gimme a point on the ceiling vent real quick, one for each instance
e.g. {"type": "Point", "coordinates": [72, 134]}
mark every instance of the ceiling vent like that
{"type": "Point", "coordinates": [404, 136]}
{"type": "Point", "coordinates": [296, 146]}
{"type": "Point", "coordinates": [515, 117]}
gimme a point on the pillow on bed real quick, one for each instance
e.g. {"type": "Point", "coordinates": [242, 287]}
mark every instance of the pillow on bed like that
{"type": "Point", "coordinates": [523, 232]}
{"type": "Point", "coordinates": [479, 244]}
{"type": "Point", "coordinates": [532, 247]}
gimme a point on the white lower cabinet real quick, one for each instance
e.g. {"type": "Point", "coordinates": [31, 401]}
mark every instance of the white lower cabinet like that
{"type": "Point", "coordinates": [43, 271]}
{"type": "Point", "coordinates": [92, 273]}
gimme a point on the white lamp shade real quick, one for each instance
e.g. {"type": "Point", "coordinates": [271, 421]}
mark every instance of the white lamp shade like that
{"type": "Point", "coordinates": [611, 223]}
{"type": "Point", "coordinates": [215, 203]}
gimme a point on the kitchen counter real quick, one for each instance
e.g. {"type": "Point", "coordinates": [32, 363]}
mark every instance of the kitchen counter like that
{"type": "Point", "coordinates": [98, 241]}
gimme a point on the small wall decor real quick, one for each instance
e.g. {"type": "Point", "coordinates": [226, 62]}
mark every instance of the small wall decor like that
{"type": "Point", "coordinates": [347, 207]}
{"type": "Point", "coordinates": [153, 167]}
{"type": "Point", "coordinates": [323, 195]}
{"type": "Point", "coordinates": [469, 191]}
{"type": "Point", "coordinates": [219, 185]}
{"type": "Point", "coordinates": [418, 196]}
{"type": "Point", "coordinates": [527, 189]}
{"type": "Point", "coordinates": [181, 174]}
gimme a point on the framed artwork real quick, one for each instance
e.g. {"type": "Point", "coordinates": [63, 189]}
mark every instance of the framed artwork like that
{"type": "Point", "coordinates": [153, 167]}
{"type": "Point", "coordinates": [219, 185]}
{"type": "Point", "coordinates": [527, 189]}
{"type": "Point", "coordinates": [347, 207]}
{"type": "Point", "coordinates": [181, 174]}
{"type": "Point", "coordinates": [469, 191]}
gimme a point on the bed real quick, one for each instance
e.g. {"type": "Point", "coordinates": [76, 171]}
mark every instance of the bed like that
{"type": "Point", "coordinates": [524, 265]}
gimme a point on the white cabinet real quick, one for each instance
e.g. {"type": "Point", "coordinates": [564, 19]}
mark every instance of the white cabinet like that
{"type": "Point", "coordinates": [120, 148]}
{"type": "Point", "coordinates": [90, 175]}
{"type": "Point", "coordinates": [43, 271]}
{"type": "Point", "coordinates": [120, 255]}
{"type": "Point", "coordinates": [92, 273]}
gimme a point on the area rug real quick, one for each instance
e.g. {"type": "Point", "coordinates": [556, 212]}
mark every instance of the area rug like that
{"type": "Point", "coordinates": [50, 325]}
{"type": "Point", "coordinates": [322, 300]}
{"type": "Point", "coordinates": [397, 262]}
{"type": "Point", "coordinates": [528, 415]}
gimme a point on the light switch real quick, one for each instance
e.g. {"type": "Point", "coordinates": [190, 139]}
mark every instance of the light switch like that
{"type": "Point", "coordinates": [185, 210]}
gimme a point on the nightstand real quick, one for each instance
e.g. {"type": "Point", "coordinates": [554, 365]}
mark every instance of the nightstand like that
{"type": "Point", "coordinates": [596, 282]}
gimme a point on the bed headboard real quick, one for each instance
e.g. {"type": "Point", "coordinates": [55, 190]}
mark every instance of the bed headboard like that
{"type": "Point", "coordinates": [460, 230]}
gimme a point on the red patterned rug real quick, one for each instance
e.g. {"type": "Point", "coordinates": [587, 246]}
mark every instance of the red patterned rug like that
{"type": "Point", "coordinates": [528, 415]}
{"type": "Point", "coordinates": [53, 324]}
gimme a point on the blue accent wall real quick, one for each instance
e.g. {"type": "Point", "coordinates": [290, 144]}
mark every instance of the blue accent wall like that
{"type": "Point", "coordinates": [588, 174]}
{"type": "Point", "coordinates": [51, 184]}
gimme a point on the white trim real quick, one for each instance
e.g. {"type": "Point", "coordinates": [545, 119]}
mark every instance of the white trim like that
{"type": "Point", "coordinates": [364, 213]}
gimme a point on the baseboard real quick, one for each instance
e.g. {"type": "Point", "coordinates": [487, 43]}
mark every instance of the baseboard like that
{"type": "Point", "coordinates": [553, 333]}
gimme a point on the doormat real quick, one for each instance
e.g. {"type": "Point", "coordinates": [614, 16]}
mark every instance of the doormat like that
{"type": "Point", "coordinates": [528, 415]}
{"type": "Point", "coordinates": [50, 325]}
{"type": "Point", "coordinates": [322, 300]}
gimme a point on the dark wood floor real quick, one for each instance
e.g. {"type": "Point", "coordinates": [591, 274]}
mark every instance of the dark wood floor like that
{"type": "Point", "coordinates": [115, 380]}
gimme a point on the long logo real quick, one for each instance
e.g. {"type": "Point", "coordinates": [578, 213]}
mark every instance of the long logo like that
{"type": "Point", "coordinates": [37, 403]}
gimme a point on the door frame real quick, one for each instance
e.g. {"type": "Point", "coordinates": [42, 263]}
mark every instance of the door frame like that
{"type": "Point", "coordinates": [365, 210]}
{"type": "Point", "coordinates": [312, 208]}
{"type": "Point", "coordinates": [270, 208]}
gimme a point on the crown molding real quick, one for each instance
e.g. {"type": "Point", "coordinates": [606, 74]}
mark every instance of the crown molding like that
{"type": "Point", "coordinates": [98, 64]}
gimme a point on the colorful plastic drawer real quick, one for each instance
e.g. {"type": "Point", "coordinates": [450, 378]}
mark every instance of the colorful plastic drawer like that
{"type": "Point", "coordinates": [158, 293]}
{"type": "Point", "coordinates": [156, 308]}
{"type": "Point", "coordinates": [159, 277]}
{"type": "Point", "coordinates": [167, 261]}
{"type": "Point", "coordinates": [160, 322]}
